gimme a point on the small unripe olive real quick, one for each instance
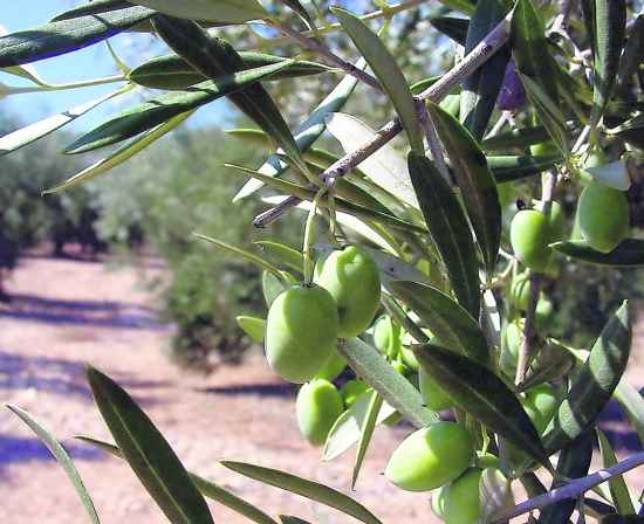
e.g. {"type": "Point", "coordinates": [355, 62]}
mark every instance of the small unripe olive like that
{"type": "Point", "coordinates": [462, 499]}
{"type": "Point", "coordinates": [530, 236]}
{"type": "Point", "coordinates": [353, 279]}
{"type": "Point", "coordinates": [512, 338]}
{"type": "Point", "coordinates": [540, 403]}
{"type": "Point", "coordinates": [520, 290]}
{"type": "Point", "coordinates": [603, 216]}
{"type": "Point", "coordinates": [435, 397]}
{"type": "Point", "coordinates": [332, 367]}
{"type": "Point", "coordinates": [409, 358]}
{"type": "Point", "coordinates": [386, 336]}
{"type": "Point", "coordinates": [317, 407]}
{"type": "Point", "coordinates": [430, 457]}
{"type": "Point", "coordinates": [543, 312]}
{"type": "Point", "coordinates": [301, 332]}
{"type": "Point", "coordinates": [351, 391]}
{"type": "Point", "coordinates": [486, 460]}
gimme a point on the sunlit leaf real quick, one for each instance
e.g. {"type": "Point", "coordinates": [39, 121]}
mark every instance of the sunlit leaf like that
{"type": "Point", "coordinates": [368, 427]}
{"type": "Point", "coordinates": [616, 485]}
{"type": "Point", "coordinates": [254, 327]}
{"type": "Point", "coordinates": [291, 258]}
{"type": "Point", "coordinates": [230, 11]}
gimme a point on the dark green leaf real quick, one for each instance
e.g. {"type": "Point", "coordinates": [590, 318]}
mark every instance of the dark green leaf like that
{"type": "Point", "coordinates": [63, 458]}
{"type": "Point", "coordinates": [369, 425]}
{"type": "Point", "coordinates": [57, 38]}
{"type": "Point", "coordinates": [387, 71]}
{"type": "Point", "coordinates": [298, 8]}
{"type": "Point", "coordinates": [455, 28]}
{"type": "Point", "coordinates": [228, 11]}
{"type": "Point", "coordinates": [629, 253]}
{"type": "Point", "coordinates": [305, 488]}
{"type": "Point", "coordinates": [594, 385]}
{"type": "Point", "coordinates": [148, 453]}
{"type": "Point", "coordinates": [289, 519]}
{"type": "Point", "coordinates": [446, 319]}
{"type": "Point", "coordinates": [522, 137]}
{"type": "Point", "coordinates": [510, 168]}
{"type": "Point", "coordinates": [475, 181]}
{"type": "Point", "coordinates": [94, 7]}
{"type": "Point", "coordinates": [449, 229]}
{"type": "Point", "coordinates": [369, 364]}
{"type": "Point", "coordinates": [481, 88]}
{"type": "Point", "coordinates": [617, 486]}
{"type": "Point", "coordinates": [148, 115]}
{"type": "Point", "coordinates": [479, 392]}
{"type": "Point", "coordinates": [464, 6]}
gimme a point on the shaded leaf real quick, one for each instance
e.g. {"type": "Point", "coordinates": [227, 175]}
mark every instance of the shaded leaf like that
{"type": "Point", "coordinates": [479, 392]}
{"type": "Point", "coordinates": [495, 492]}
{"type": "Point", "coordinates": [148, 453]}
{"type": "Point", "coordinates": [375, 403]}
{"type": "Point", "coordinates": [464, 6]}
{"type": "Point", "coordinates": [388, 73]}
{"type": "Point", "coordinates": [62, 457]}
{"type": "Point", "coordinates": [455, 28]}
{"type": "Point", "coordinates": [613, 174]}
{"type": "Point", "coordinates": [617, 486]}
{"type": "Point", "coordinates": [305, 488]}
{"type": "Point", "coordinates": [228, 11]}
{"type": "Point", "coordinates": [94, 7]}
{"type": "Point", "coordinates": [510, 168]}
{"type": "Point", "coordinates": [289, 519]}
{"type": "Point", "coordinates": [301, 11]}
{"type": "Point", "coordinates": [629, 253]}
{"type": "Point", "coordinates": [522, 137]}
{"type": "Point", "coordinates": [449, 229]}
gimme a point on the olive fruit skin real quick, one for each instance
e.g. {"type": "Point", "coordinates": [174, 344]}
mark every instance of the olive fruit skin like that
{"type": "Point", "coordinates": [301, 332]}
{"type": "Point", "coordinates": [332, 367]}
{"type": "Point", "coordinates": [540, 403]}
{"type": "Point", "coordinates": [530, 236]}
{"type": "Point", "coordinates": [351, 391]}
{"type": "Point", "coordinates": [462, 499]}
{"type": "Point", "coordinates": [520, 290]}
{"type": "Point", "coordinates": [317, 407]}
{"type": "Point", "coordinates": [353, 280]}
{"type": "Point", "coordinates": [386, 337]}
{"type": "Point", "coordinates": [603, 216]}
{"type": "Point", "coordinates": [512, 338]}
{"type": "Point", "coordinates": [434, 396]}
{"type": "Point", "coordinates": [430, 457]}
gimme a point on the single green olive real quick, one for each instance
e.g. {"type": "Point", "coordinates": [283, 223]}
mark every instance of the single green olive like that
{"type": "Point", "coordinates": [462, 499]}
{"type": "Point", "coordinates": [301, 332]}
{"type": "Point", "coordinates": [386, 336]}
{"type": "Point", "coordinates": [332, 367]}
{"type": "Point", "coordinates": [543, 312]}
{"type": "Point", "coordinates": [351, 391]}
{"type": "Point", "coordinates": [540, 403]}
{"type": "Point", "coordinates": [409, 358]}
{"type": "Point", "coordinates": [430, 457]}
{"type": "Point", "coordinates": [544, 149]}
{"type": "Point", "coordinates": [434, 396]}
{"type": "Point", "coordinates": [317, 407]}
{"type": "Point", "coordinates": [487, 460]}
{"type": "Point", "coordinates": [520, 290]}
{"type": "Point", "coordinates": [603, 216]}
{"type": "Point", "coordinates": [353, 279]}
{"type": "Point", "coordinates": [511, 342]}
{"type": "Point", "coordinates": [530, 236]}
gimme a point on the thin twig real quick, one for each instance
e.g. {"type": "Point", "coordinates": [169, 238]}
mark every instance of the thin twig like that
{"type": "Point", "coordinates": [571, 489]}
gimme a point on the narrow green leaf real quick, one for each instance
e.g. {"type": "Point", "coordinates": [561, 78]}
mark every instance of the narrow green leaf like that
{"type": "Point", "coordinates": [522, 137]}
{"type": "Point", "coordinates": [347, 429]}
{"type": "Point", "coordinates": [464, 6]}
{"type": "Point", "coordinates": [370, 421]}
{"type": "Point", "coordinates": [223, 11]}
{"type": "Point", "coordinates": [306, 488]}
{"type": "Point", "coordinates": [254, 327]}
{"type": "Point", "coordinates": [62, 457]}
{"type": "Point", "coordinates": [510, 168]}
{"type": "Point", "coordinates": [121, 155]}
{"type": "Point", "coordinates": [610, 29]}
{"type": "Point", "coordinates": [481, 88]}
{"type": "Point", "coordinates": [632, 402]}
{"type": "Point", "coordinates": [475, 181]}
{"type": "Point", "coordinates": [613, 174]}
{"type": "Point", "coordinates": [617, 486]}
{"type": "Point", "coordinates": [369, 364]}
{"type": "Point", "coordinates": [595, 383]}
{"type": "Point", "coordinates": [148, 453]}
{"type": "Point", "coordinates": [455, 28]}
{"type": "Point", "coordinates": [289, 519]}
{"type": "Point", "coordinates": [387, 71]}
{"type": "Point", "coordinates": [272, 286]}
{"type": "Point", "coordinates": [215, 57]}
{"type": "Point", "coordinates": [291, 258]}
{"type": "Point", "coordinates": [57, 38]}
{"type": "Point", "coordinates": [629, 253]}
{"type": "Point", "coordinates": [449, 229]}
{"type": "Point", "coordinates": [307, 132]}
{"type": "Point", "coordinates": [479, 392]}
{"type": "Point", "coordinates": [174, 73]}
{"type": "Point", "coordinates": [206, 488]}
{"type": "Point", "coordinates": [448, 321]}
{"type": "Point", "coordinates": [94, 7]}
{"type": "Point", "coordinates": [301, 11]}
{"type": "Point", "coordinates": [148, 115]}
{"type": "Point", "coordinates": [27, 135]}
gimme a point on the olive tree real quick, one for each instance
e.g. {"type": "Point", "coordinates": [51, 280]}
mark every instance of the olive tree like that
{"type": "Point", "coordinates": [429, 247]}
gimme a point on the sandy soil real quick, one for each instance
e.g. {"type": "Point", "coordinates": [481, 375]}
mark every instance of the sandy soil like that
{"type": "Point", "coordinates": [66, 313]}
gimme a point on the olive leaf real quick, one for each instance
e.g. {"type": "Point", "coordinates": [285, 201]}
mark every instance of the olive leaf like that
{"type": "Point", "coordinates": [254, 327]}
{"type": "Point", "coordinates": [94, 7]}
{"type": "Point", "coordinates": [628, 253]}
{"type": "Point", "coordinates": [301, 11]}
{"type": "Point", "coordinates": [478, 391]}
{"type": "Point", "coordinates": [617, 486]}
{"type": "Point", "coordinates": [521, 137]}
{"type": "Point", "coordinates": [63, 458]}
{"type": "Point", "coordinates": [455, 28]}
{"type": "Point", "coordinates": [387, 71]}
{"type": "Point", "coordinates": [449, 229]}
{"type": "Point", "coordinates": [475, 181]}
{"type": "Point", "coordinates": [223, 11]}
{"type": "Point", "coordinates": [613, 174]}
{"type": "Point", "coordinates": [464, 6]}
{"type": "Point", "coordinates": [375, 403]}
{"type": "Point", "coordinates": [65, 36]}
{"type": "Point", "coordinates": [509, 168]}
{"type": "Point", "coordinates": [148, 453]}
{"type": "Point", "coordinates": [448, 321]}
{"type": "Point", "coordinates": [306, 488]}
{"type": "Point", "coordinates": [289, 519]}
{"type": "Point", "coordinates": [595, 383]}
{"type": "Point", "coordinates": [291, 258]}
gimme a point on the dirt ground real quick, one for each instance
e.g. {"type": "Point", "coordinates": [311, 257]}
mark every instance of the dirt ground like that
{"type": "Point", "coordinates": [66, 313]}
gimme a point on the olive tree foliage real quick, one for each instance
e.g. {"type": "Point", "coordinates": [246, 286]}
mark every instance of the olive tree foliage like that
{"type": "Point", "coordinates": [511, 161]}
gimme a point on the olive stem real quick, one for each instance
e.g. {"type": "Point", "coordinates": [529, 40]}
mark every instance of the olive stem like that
{"type": "Point", "coordinates": [571, 489]}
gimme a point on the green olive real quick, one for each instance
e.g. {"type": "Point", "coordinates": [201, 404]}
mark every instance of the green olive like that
{"type": "Point", "coordinates": [351, 391]}
{"type": "Point", "coordinates": [462, 499]}
{"type": "Point", "coordinates": [530, 236]}
{"type": "Point", "coordinates": [603, 216]}
{"type": "Point", "coordinates": [543, 312]}
{"type": "Point", "coordinates": [317, 407]}
{"type": "Point", "coordinates": [353, 279]}
{"type": "Point", "coordinates": [512, 338]}
{"type": "Point", "coordinates": [520, 290]}
{"type": "Point", "coordinates": [544, 149]}
{"type": "Point", "coordinates": [386, 336]}
{"type": "Point", "coordinates": [434, 396]}
{"type": "Point", "coordinates": [540, 403]}
{"type": "Point", "coordinates": [487, 460]}
{"type": "Point", "coordinates": [430, 457]}
{"type": "Point", "coordinates": [301, 332]}
{"type": "Point", "coordinates": [333, 367]}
